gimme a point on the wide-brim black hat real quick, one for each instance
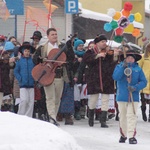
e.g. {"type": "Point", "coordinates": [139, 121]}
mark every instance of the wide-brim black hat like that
{"type": "Point", "coordinates": [26, 45]}
{"type": "Point", "coordinates": [132, 53]}
{"type": "Point", "coordinates": [36, 34]}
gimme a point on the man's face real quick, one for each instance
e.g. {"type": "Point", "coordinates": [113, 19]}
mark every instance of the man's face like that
{"type": "Point", "coordinates": [52, 37]}
{"type": "Point", "coordinates": [102, 44]}
{"type": "Point", "coordinates": [36, 41]}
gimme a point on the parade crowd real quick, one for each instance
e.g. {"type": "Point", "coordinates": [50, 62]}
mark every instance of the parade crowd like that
{"type": "Point", "coordinates": [67, 81]}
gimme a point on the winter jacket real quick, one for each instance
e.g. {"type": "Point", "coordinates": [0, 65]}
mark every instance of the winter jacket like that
{"type": "Point", "coordinates": [5, 84]}
{"type": "Point", "coordinates": [138, 81]}
{"type": "Point", "coordinates": [23, 72]}
{"type": "Point", "coordinates": [144, 63]}
{"type": "Point", "coordinates": [93, 76]}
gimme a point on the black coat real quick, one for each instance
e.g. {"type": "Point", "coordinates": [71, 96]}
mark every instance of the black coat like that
{"type": "Point", "coordinates": [93, 75]}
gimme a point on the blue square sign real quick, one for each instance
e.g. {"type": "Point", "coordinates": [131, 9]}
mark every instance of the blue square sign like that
{"type": "Point", "coordinates": [71, 6]}
{"type": "Point", "coordinates": [15, 7]}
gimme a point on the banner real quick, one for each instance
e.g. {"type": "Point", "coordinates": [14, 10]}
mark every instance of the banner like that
{"type": "Point", "coordinates": [4, 13]}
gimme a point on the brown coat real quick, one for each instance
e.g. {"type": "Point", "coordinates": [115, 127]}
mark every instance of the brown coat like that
{"type": "Point", "coordinates": [93, 75]}
{"type": "Point", "coordinates": [5, 85]}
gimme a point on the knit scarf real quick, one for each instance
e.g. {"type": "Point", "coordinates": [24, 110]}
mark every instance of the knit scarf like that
{"type": "Point", "coordinates": [79, 53]}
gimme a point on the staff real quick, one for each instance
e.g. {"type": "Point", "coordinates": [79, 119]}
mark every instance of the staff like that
{"type": "Point", "coordinates": [128, 73]}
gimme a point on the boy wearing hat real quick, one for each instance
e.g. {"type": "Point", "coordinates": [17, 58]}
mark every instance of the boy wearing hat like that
{"type": "Point", "coordinates": [22, 73]}
{"type": "Point", "coordinates": [130, 80]}
{"type": "Point", "coordinates": [101, 66]}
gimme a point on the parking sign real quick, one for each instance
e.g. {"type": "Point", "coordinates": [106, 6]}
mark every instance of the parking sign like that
{"type": "Point", "coordinates": [71, 6]}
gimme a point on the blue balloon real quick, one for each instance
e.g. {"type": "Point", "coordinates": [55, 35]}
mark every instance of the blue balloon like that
{"type": "Point", "coordinates": [131, 18]}
{"type": "Point", "coordinates": [107, 27]}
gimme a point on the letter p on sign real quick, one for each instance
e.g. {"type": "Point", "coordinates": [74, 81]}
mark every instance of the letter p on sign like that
{"type": "Point", "coordinates": [71, 6]}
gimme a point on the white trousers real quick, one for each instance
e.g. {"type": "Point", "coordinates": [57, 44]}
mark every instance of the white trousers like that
{"type": "Point", "coordinates": [53, 96]}
{"type": "Point", "coordinates": [104, 101]}
{"type": "Point", "coordinates": [27, 102]}
{"type": "Point", "coordinates": [127, 118]}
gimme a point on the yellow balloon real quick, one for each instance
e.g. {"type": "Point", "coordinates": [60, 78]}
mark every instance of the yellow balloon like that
{"type": "Point", "coordinates": [138, 17]}
{"type": "Point", "coordinates": [117, 16]}
{"type": "Point", "coordinates": [129, 28]}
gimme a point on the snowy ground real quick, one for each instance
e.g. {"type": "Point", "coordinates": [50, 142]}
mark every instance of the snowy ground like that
{"type": "Point", "coordinates": [97, 138]}
{"type": "Point", "coordinates": [24, 133]}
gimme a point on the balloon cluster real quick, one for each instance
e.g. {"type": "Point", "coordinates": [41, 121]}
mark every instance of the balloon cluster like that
{"type": "Point", "coordinates": [122, 22]}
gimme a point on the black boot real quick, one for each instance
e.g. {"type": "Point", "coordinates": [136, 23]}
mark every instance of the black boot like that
{"type": "Point", "coordinates": [103, 119]}
{"type": "Point", "coordinates": [132, 140]}
{"type": "Point", "coordinates": [91, 117]}
{"type": "Point", "coordinates": [143, 108]}
{"type": "Point", "coordinates": [97, 115]}
{"type": "Point", "coordinates": [122, 139]}
{"type": "Point", "coordinates": [117, 117]}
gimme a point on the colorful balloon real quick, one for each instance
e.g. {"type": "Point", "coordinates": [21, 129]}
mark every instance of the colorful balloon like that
{"type": "Point", "coordinates": [138, 17]}
{"type": "Point", "coordinates": [122, 22]}
{"type": "Point", "coordinates": [128, 6]}
{"type": "Point", "coordinates": [119, 31]}
{"type": "Point", "coordinates": [129, 29]}
{"type": "Point", "coordinates": [117, 16]}
{"type": "Point", "coordinates": [107, 27]}
{"type": "Point", "coordinates": [114, 24]}
{"type": "Point", "coordinates": [131, 18]}
{"type": "Point", "coordinates": [136, 32]}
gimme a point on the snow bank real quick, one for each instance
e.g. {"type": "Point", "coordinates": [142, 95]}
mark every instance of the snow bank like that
{"type": "Point", "coordinates": [24, 133]}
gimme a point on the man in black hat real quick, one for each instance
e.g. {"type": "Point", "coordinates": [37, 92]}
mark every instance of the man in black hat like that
{"type": "Point", "coordinates": [101, 66]}
{"type": "Point", "coordinates": [36, 37]}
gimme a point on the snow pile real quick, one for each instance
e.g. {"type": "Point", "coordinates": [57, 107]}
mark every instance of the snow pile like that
{"type": "Point", "coordinates": [24, 133]}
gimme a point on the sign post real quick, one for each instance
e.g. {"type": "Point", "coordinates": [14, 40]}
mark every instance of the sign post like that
{"type": "Point", "coordinates": [71, 6]}
{"type": "Point", "coordinates": [15, 7]}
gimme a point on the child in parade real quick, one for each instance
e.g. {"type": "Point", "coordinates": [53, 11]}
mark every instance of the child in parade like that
{"type": "Point", "coordinates": [130, 80]}
{"type": "Point", "coordinates": [79, 52]}
{"type": "Point", "coordinates": [22, 73]}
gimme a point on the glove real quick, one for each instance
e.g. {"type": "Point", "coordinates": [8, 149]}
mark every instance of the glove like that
{"type": "Point", "coordinates": [125, 64]}
{"type": "Point", "coordinates": [131, 89]}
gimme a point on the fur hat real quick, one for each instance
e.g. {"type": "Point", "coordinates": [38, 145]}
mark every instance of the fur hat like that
{"type": "Point", "coordinates": [26, 45]}
{"type": "Point", "coordinates": [36, 34]}
{"type": "Point", "coordinates": [100, 38]}
{"type": "Point", "coordinates": [132, 53]}
{"type": "Point", "coordinates": [77, 42]}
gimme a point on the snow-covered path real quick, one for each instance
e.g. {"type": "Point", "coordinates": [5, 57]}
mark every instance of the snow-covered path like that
{"type": "Point", "coordinates": [97, 138]}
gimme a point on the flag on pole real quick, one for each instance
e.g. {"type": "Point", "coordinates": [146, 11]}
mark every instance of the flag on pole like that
{"type": "Point", "coordinates": [37, 17]}
{"type": "Point", "coordinates": [4, 12]}
{"type": "Point", "coordinates": [48, 5]}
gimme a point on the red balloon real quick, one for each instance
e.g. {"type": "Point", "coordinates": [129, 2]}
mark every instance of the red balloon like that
{"type": "Point", "coordinates": [119, 31]}
{"type": "Point", "coordinates": [128, 6]}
